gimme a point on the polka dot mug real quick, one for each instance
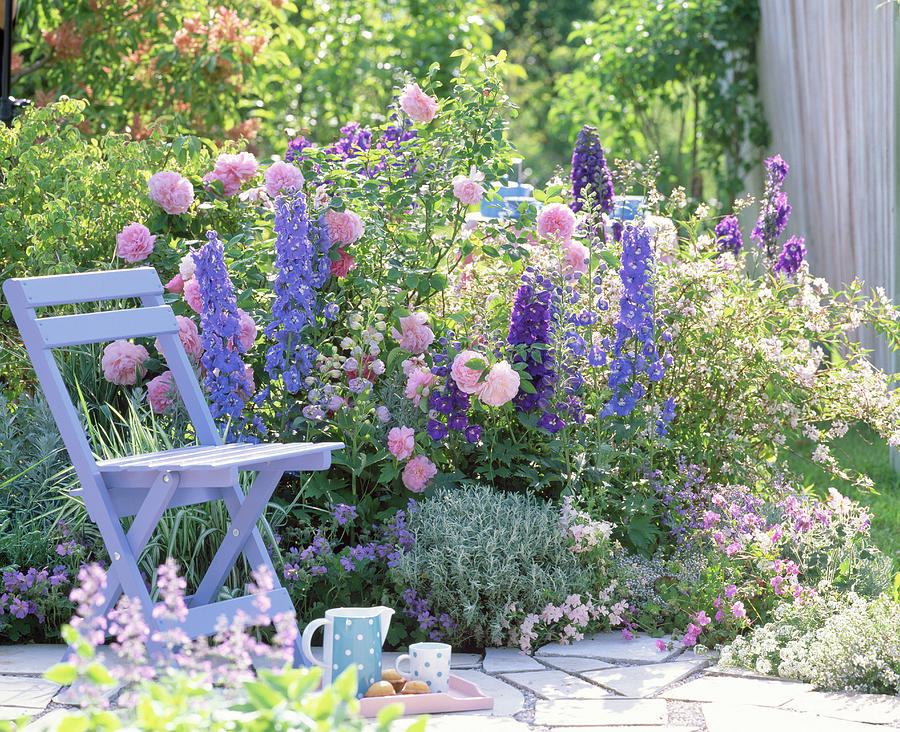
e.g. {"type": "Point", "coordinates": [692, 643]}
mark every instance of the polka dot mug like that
{"type": "Point", "coordinates": [428, 662]}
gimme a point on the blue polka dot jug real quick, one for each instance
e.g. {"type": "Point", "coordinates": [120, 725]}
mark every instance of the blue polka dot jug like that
{"type": "Point", "coordinates": [353, 637]}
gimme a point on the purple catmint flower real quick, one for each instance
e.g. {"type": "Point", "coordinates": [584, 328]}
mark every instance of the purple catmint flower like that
{"type": "Point", "coordinates": [728, 235]}
{"type": "Point", "coordinates": [791, 256]}
{"type": "Point", "coordinates": [591, 179]}
{"type": "Point", "coordinates": [343, 513]}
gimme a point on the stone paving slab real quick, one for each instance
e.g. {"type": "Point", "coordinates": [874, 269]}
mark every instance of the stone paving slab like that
{"type": "Point", "coordinates": [747, 718]}
{"type": "Point", "coordinates": [473, 723]}
{"type": "Point", "coordinates": [508, 700]}
{"type": "Point", "coordinates": [733, 690]}
{"type": "Point", "coordinates": [30, 659]}
{"type": "Point", "coordinates": [26, 692]}
{"type": "Point", "coordinates": [614, 647]}
{"type": "Point", "coordinates": [599, 712]}
{"type": "Point", "coordinates": [48, 723]}
{"type": "Point", "coordinates": [575, 664]}
{"type": "Point", "coordinates": [638, 728]}
{"type": "Point", "coordinates": [871, 708]}
{"type": "Point", "coordinates": [11, 713]}
{"type": "Point", "coordinates": [503, 660]}
{"type": "Point", "coordinates": [552, 684]}
{"type": "Point", "coordinates": [645, 680]}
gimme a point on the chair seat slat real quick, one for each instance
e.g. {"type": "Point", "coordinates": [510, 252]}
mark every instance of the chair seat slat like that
{"type": "Point", "coordinates": [70, 330]}
{"type": "Point", "coordinates": [89, 286]}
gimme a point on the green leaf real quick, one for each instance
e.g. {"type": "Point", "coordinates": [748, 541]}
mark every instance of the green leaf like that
{"type": "Point", "coordinates": [346, 684]}
{"type": "Point", "coordinates": [62, 673]}
{"type": "Point", "coordinates": [611, 259]}
{"type": "Point", "coordinates": [73, 723]}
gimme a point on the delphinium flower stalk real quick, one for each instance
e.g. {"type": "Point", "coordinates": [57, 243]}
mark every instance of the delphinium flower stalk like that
{"type": "Point", "coordinates": [791, 256]}
{"type": "Point", "coordinates": [225, 378]}
{"type": "Point", "coordinates": [775, 208]}
{"type": "Point", "coordinates": [591, 179]}
{"type": "Point", "coordinates": [728, 236]}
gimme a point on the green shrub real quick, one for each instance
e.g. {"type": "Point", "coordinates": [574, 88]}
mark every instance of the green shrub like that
{"type": "Point", "coordinates": [478, 550]}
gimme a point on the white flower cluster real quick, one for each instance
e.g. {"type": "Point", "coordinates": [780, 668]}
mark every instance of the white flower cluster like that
{"type": "Point", "coordinates": [585, 533]}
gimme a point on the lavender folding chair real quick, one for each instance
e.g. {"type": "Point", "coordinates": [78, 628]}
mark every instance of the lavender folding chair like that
{"type": "Point", "coordinates": [144, 486]}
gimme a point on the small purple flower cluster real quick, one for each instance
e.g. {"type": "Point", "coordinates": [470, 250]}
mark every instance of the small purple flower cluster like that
{"type": "Point", "coordinates": [450, 404]}
{"type": "Point", "coordinates": [226, 375]}
{"type": "Point", "coordinates": [791, 256]}
{"type": "Point", "coordinates": [591, 179]}
{"type": "Point", "coordinates": [302, 269]}
{"type": "Point", "coordinates": [775, 208]}
{"type": "Point", "coordinates": [20, 589]}
{"type": "Point", "coordinates": [343, 513]}
{"type": "Point", "coordinates": [418, 608]}
{"type": "Point", "coordinates": [728, 236]}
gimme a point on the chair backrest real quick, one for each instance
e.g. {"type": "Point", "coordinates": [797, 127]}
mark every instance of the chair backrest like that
{"type": "Point", "coordinates": [42, 334]}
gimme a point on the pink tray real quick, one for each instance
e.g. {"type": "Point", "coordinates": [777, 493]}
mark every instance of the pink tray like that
{"type": "Point", "coordinates": [463, 696]}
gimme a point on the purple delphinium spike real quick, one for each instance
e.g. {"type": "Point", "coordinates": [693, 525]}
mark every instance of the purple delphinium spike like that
{"type": "Point", "coordinates": [791, 256]}
{"type": "Point", "coordinates": [591, 179]}
{"type": "Point", "coordinates": [775, 209]}
{"type": "Point", "coordinates": [728, 236]}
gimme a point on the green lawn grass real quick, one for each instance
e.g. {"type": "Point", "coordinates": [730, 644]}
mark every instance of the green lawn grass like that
{"type": "Point", "coordinates": [862, 450]}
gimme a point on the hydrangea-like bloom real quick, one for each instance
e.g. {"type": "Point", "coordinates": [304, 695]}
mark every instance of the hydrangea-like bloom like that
{"type": "Point", "coordinates": [728, 235]}
{"type": "Point", "coordinates": [591, 179]}
{"type": "Point", "coordinates": [791, 256]}
{"type": "Point", "coordinates": [171, 191]}
{"type": "Point", "coordinates": [134, 243]}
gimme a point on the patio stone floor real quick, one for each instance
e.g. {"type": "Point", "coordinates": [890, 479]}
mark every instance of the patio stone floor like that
{"type": "Point", "coordinates": [602, 683]}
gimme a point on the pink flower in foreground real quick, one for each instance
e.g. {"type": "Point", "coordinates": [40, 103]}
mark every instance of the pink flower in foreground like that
{"type": "Point", "coordinates": [417, 473]}
{"type": "Point", "coordinates": [467, 378]}
{"type": "Point", "coordinates": [737, 609]}
{"type": "Point", "coordinates": [576, 257]}
{"type": "Point", "coordinates": [171, 191]}
{"type": "Point", "coordinates": [189, 335]}
{"type": "Point", "coordinates": [468, 189]}
{"type": "Point", "coordinates": [416, 334]}
{"type": "Point", "coordinates": [418, 385]}
{"type": "Point", "coordinates": [135, 243]}
{"type": "Point", "coordinates": [556, 220]}
{"type": "Point", "coordinates": [192, 294]}
{"type": "Point", "coordinates": [401, 442]}
{"type": "Point", "coordinates": [282, 176]}
{"type": "Point", "coordinates": [500, 385]}
{"type": "Point", "coordinates": [176, 284]}
{"type": "Point", "coordinates": [344, 265]}
{"type": "Point", "coordinates": [161, 392]}
{"type": "Point", "coordinates": [247, 336]}
{"type": "Point", "coordinates": [417, 104]}
{"type": "Point", "coordinates": [344, 227]}
{"type": "Point", "coordinates": [123, 361]}
{"type": "Point", "coordinates": [661, 645]}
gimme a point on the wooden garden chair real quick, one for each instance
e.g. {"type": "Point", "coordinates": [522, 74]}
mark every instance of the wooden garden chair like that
{"type": "Point", "coordinates": [144, 486]}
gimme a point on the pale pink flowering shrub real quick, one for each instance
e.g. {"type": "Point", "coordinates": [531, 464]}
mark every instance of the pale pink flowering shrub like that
{"type": "Point", "coordinates": [401, 442]}
{"type": "Point", "coordinates": [467, 378]}
{"type": "Point", "coordinates": [281, 176]}
{"type": "Point", "coordinates": [189, 335]}
{"type": "Point", "coordinates": [134, 243]}
{"type": "Point", "coordinates": [467, 189]}
{"type": "Point", "coordinates": [417, 104]}
{"type": "Point", "coordinates": [418, 473]}
{"type": "Point", "coordinates": [247, 335]}
{"type": "Point", "coordinates": [556, 220]}
{"type": "Point", "coordinates": [418, 385]}
{"type": "Point", "coordinates": [161, 392]}
{"type": "Point", "coordinates": [415, 335]}
{"type": "Point", "coordinates": [191, 294]}
{"type": "Point", "coordinates": [583, 531]}
{"type": "Point", "coordinates": [123, 362]}
{"type": "Point", "coordinates": [344, 227]}
{"type": "Point", "coordinates": [233, 171]}
{"type": "Point", "coordinates": [171, 191]}
{"type": "Point", "coordinates": [500, 385]}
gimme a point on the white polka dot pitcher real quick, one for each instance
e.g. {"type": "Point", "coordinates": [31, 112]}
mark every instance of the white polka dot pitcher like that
{"type": "Point", "coordinates": [353, 637]}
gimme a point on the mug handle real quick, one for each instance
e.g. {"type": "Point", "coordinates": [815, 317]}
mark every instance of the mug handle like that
{"type": "Point", "coordinates": [307, 640]}
{"type": "Point", "coordinates": [401, 659]}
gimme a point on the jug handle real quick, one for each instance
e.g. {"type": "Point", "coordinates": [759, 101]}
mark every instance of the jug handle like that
{"type": "Point", "coordinates": [307, 640]}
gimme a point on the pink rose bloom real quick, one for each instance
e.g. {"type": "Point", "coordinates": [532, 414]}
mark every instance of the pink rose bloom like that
{"type": "Point", "coordinates": [557, 220]}
{"type": "Point", "coordinates": [134, 243]}
{"type": "Point", "coordinates": [122, 362]}
{"type": "Point", "coordinates": [176, 284]}
{"type": "Point", "coordinates": [161, 392]}
{"type": "Point", "coordinates": [500, 385]}
{"type": "Point", "coordinates": [417, 104]}
{"type": "Point", "coordinates": [401, 441]}
{"type": "Point", "coordinates": [233, 171]}
{"type": "Point", "coordinates": [468, 189]}
{"type": "Point", "coordinates": [282, 176]}
{"type": "Point", "coordinates": [467, 378]}
{"type": "Point", "coordinates": [576, 257]}
{"type": "Point", "coordinates": [171, 191]}
{"type": "Point", "coordinates": [248, 331]}
{"type": "Point", "coordinates": [344, 265]}
{"type": "Point", "coordinates": [189, 335]}
{"type": "Point", "coordinates": [417, 473]}
{"type": "Point", "coordinates": [344, 227]}
{"type": "Point", "coordinates": [418, 385]}
{"type": "Point", "coordinates": [192, 294]}
{"type": "Point", "coordinates": [416, 334]}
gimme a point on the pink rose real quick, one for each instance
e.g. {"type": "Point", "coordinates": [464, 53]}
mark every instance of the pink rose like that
{"type": "Point", "coordinates": [417, 473]}
{"type": "Point", "coordinates": [344, 227]}
{"type": "Point", "coordinates": [418, 385]}
{"type": "Point", "coordinates": [171, 191]}
{"type": "Point", "coordinates": [344, 265]}
{"type": "Point", "coordinates": [500, 385]}
{"type": "Point", "coordinates": [556, 220]}
{"type": "Point", "coordinates": [123, 361]}
{"type": "Point", "coordinates": [161, 392]}
{"type": "Point", "coordinates": [417, 104]}
{"type": "Point", "coordinates": [416, 334]}
{"type": "Point", "coordinates": [282, 176]}
{"type": "Point", "coordinates": [248, 331]}
{"type": "Point", "coordinates": [468, 189]}
{"type": "Point", "coordinates": [135, 243]}
{"type": "Point", "coordinates": [401, 441]}
{"type": "Point", "coordinates": [186, 266]}
{"type": "Point", "coordinates": [467, 378]}
{"type": "Point", "coordinates": [233, 171]}
{"type": "Point", "coordinates": [189, 335]}
{"type": "Point", "coordinates": [576, 256]}
{"type": "Point", "coordinates": [176, 284]}
{"type": "Point", "coordinates": [192, 294]}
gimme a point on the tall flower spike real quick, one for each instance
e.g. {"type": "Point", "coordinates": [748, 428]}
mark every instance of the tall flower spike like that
{"type": "Point", "coordinates": [225, 369]}
{"type": "Point", "coordinates": [775, 209]}
{"type": "Point", "coordinates": [591, 179]}
{"type": "Point", "coordinates": [728, 236]}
